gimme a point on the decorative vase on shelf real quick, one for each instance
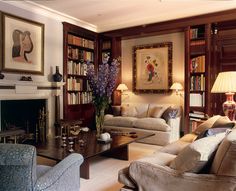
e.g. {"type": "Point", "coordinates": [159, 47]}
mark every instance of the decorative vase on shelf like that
{"type": "Point", "coordinates": [57, 77]}
{"type": "Point", "coordinates": [100, 114]}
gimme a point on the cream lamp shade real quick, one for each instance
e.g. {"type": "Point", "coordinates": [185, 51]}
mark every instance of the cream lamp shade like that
{"type": "Point", "coordinates": [176, 86]}
{"type": "Point", "coordinates": [226, 83]}
{"type": "Point", "coordinates": [122, 87]}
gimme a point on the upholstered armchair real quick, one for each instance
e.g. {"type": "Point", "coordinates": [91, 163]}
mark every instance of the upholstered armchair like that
{"type": "Point", "coordinates": [19, 172]}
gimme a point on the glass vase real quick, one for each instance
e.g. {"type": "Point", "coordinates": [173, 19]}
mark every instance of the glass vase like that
{"type": "Point", "coordinates": [100, 114]}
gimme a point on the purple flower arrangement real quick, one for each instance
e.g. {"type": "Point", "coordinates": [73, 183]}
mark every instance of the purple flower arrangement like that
{"type": "Point", "coordinates": [103, 82]}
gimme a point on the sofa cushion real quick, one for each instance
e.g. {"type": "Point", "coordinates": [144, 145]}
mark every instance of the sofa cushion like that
{"type": "Point", "coordinates": [196, 155]}
{"type": "Point", "coordinates": [119, 121]}
{"type": "Point", "coordinates": [171, 112]}
{"type": "Point", "coordinates": [188, 137]}
{"type": "Point", "coordinates": [224, 162]}
{"type": "Point", "coordinates": [206, 125]}
{"type": "Point", "coordinates": [223, 122]}
{"type": "Point", "coordinates": [128, 111]}
{"type": "Point", "coordinates": [141, 108]}
{"type": "Point", "coordinates": [175, 147]}
{"type": "Point", "coordinates": [153, 110]}
{"type": "Point", "coordinates": [156, 112]}
{"type": "Point", "coordinates": [159, 158]}
{"type": "Point", "coordinates": [157, 124]}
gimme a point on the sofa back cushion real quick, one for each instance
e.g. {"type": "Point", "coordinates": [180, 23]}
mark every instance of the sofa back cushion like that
{"type": "Point", "coordinates": [196, 155]}
{"type": "Point", "coordinates": [156, 110]}
{"type": "Point", "coordinates": [135, 109]}
{"type": "Point", "coordinates": [224, 162]}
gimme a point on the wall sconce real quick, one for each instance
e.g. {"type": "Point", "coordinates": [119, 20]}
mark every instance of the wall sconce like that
{"type": "Point", "coordinates": [225, 83]}
{"type": "Point", "coordinates": [177, 87]}
{"type": "Point", "coordinates": [122, 88]}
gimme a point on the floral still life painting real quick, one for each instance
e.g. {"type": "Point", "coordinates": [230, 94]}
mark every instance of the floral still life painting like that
{"type": "Point", "coordinates": [152, 68]}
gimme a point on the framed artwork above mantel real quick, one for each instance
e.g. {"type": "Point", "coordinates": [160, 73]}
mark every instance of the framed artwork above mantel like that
{"type": "Point", "coordinates": [152, 68]}
{"type": "Point", "coordinates": [23, 45]}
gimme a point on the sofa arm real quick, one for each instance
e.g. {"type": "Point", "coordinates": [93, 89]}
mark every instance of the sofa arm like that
{"type": "Point", "coordinates": [149, 177]}
{"type": "Point", "coordinates": [174, 123]}
{"type": "Point", "coordinates": [63, 176]}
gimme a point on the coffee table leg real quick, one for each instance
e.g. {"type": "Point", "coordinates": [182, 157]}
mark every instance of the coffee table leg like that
{"type": "Point", "coordinates": [121, 153]}
{"type": "Point", "coordinates": [84, 169]}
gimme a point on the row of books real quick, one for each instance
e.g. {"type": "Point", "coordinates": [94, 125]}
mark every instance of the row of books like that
{"type": "Point", "coordinates": [196, 33]}
{"type": "Point", "coordinates": [197, 83]}
{"type": "Point", "coordinates": [75, 53]}
{"type": "Point", "coordinates": [76, 84]}
{"type": "Point", "coordinates": [197, 42]}
{"type": "Point", "coordinates": [75, 68]}
{"type": "Point", "coordinates": [79, 98]}
{"type": "Point", "coordinates": [197, 100]}
{"type": "Point", "coordinates": [197, 64]}
{"type": "Point", "coordinates": [79, 41]}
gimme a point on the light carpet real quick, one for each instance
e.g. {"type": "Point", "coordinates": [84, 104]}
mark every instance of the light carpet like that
{"type": "Point", "coordinates": [104, 171]}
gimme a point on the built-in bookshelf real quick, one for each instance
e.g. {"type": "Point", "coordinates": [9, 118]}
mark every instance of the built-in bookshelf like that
{"type": "Point", "coordinates": [79, 48]}
{"type": "Point", "coordinates": [105, 47]}
{"type": "Point", "coordinates": [196, 74]}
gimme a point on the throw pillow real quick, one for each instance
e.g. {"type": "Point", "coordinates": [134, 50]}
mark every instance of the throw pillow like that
{"type": "Point", "coordinates": [171, 112]}
{"type": "Point", "coordinates": [116, 110]}
{"type": "Point", "coordinates": [206, 125]}
{"type": "Point", "coordinates": [157, 112]}
{"type": "Point", "coordinates": [223, 122]}
{"type": "Point", "coordinates": [128, 111]}
{"type": "Point", "coordinates": [221, 125]}
{"type": "Point", "coordinates": [195, 156]}
{"type": "Point", "coordinates": [210, 132]}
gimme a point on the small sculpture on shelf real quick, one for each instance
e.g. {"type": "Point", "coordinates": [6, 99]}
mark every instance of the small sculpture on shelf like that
{"type": "Point", "coordinates": [57, 77]}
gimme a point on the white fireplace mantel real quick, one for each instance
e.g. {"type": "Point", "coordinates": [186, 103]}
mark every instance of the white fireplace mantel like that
{"type": "Point", "coordinates": [10, 89]}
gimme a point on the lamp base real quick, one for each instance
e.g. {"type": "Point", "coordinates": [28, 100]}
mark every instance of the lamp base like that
{"type": "Point", "coordinates": [229, 106]}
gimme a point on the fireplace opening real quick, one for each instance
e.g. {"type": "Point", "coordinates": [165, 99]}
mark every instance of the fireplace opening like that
{"type": "Point", "coordinates": [23, 121]}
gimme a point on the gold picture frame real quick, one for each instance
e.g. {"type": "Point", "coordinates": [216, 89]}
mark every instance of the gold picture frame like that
{"type": "Point", "coordinates": [22, 45]}
{"type": "Point", "coordinates": [152, 68]}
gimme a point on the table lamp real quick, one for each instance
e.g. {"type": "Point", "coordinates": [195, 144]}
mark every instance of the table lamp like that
{"type": "Point", "coordinates": [226, 83]}
{"type": "Point", "coordinates": [122, 87]}
{"type": "Point", "coordinates": [177, 87]}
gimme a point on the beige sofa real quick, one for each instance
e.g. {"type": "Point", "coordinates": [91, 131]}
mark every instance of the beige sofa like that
{"type": "Point", "coordinates": [187, 164]}
{"type": "Point", "coordinates": [161, 119]}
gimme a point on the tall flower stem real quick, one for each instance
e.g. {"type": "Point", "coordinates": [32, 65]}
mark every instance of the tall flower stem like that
{"type": "Point", "coordinates": [102, 85]}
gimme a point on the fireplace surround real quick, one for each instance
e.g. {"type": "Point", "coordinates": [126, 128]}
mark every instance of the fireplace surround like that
{"type": "Point", "coordinates": [21, 96]}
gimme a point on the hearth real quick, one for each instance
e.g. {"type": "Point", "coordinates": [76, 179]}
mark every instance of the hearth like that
{"type": "Point", "coordinates": [23, 121]}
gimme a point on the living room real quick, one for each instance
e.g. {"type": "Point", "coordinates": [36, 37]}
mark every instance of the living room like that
{"type": "Point", "coordinates": [126, 38]}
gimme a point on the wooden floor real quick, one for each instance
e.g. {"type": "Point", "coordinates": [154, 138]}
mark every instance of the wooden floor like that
{"type": "Point", "coordinates": [104, 170]}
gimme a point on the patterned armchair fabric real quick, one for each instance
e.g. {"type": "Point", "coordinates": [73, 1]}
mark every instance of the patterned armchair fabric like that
{"type": "Point", "coordinates": [19, 172]}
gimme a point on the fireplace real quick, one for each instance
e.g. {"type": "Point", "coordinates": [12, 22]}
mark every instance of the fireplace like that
{"type": "Point", "coordinates": [25, 119]}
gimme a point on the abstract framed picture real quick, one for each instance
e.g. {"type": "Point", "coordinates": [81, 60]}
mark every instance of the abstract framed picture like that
{"type": "Point", "coordinates": [152, 68]}
{"type": "Point", "coordinates": [23, 45]}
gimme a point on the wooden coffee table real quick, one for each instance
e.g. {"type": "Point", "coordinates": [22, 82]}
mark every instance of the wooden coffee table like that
{"type": "Point", "coordinates": [117, 148]}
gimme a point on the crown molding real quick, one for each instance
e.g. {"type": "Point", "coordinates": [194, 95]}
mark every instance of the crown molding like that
{"type": "Point", "coordinates": [47, 12]}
